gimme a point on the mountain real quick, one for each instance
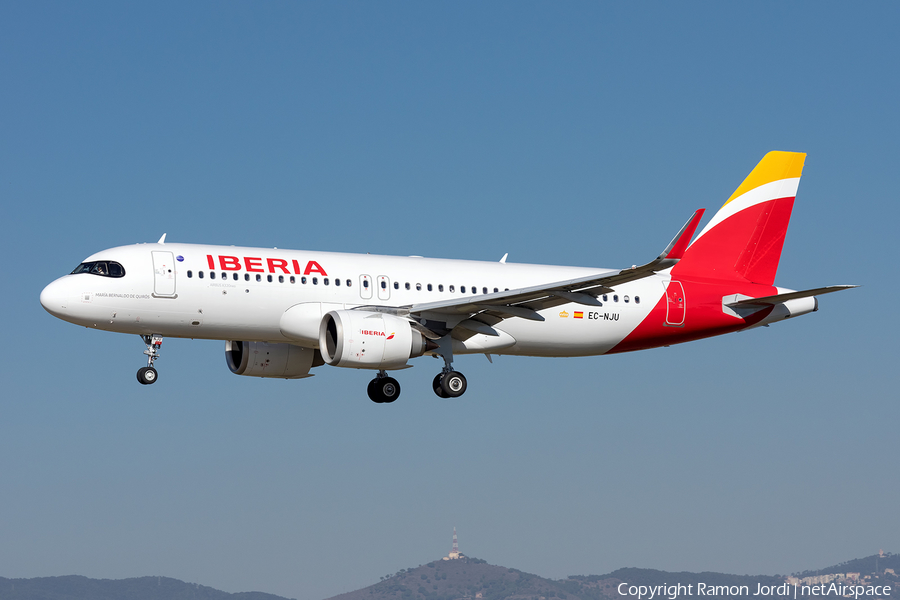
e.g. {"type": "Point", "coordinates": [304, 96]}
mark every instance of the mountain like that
{"type": "Point", "coordinates": [870, 564]}
{"type": "Point", "coordinates": [75, 587]}
{"type": "Point", "coordinates": [462, 579]}
{"type": "Point", "coordinates": [474, 579]}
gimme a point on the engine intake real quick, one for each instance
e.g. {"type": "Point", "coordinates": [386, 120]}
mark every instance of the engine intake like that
{"type": "Point", "coordinates": [368, 340]}
{"type": "Point", "coordinates": [261, 359]}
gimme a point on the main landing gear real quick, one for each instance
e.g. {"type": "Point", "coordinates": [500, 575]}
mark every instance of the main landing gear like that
{"type": "Point", "coordinates": [147, 375]}
{"type": "Point", "coordinates": [383, 389]}
{"type": "Point", "coordinates": [447, 384]}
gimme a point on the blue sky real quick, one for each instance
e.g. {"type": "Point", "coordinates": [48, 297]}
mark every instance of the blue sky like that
{"type": "Point", "coordinates": [577, 133]}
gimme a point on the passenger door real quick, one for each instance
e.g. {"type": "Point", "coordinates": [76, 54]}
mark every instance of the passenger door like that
{"type": "Point", "coordinates": [675, 304]}
{"type": "Point", "coordinates": [163, 274]}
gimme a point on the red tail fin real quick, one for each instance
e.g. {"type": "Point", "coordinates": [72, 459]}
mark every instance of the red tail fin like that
{"type": "Point", "coordinates": [744, 239]}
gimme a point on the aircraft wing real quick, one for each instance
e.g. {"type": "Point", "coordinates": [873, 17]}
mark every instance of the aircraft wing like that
{"type": "Point", "coordinates": [525, 302]}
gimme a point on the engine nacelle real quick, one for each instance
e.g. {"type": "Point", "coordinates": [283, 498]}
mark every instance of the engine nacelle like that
{"type": "Point", "coordinates": [368, 340]}
{"type": "Point", "coordinates": [261, 359]}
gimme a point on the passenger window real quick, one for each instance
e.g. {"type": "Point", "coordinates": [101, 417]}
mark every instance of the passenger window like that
{"type": "Point", "coordinates": [235, 276]}
{"type": "Point", "coordinates": [429, 287]}
{"type": "Point", "coordinates": [337, 282]}
{"type": "Point", "coordinates": [440, 287]}
{"type": "Point", "coordinates": [615, 297]}
{"type": "Point", "coordinates": [474, 290]}
{"type": "Point", "coordinates": [637, 299]}
{"type": "Point", "coordinates": [366, 283]}
{"type": "Point", "coordinates": [407, 285]}
{"type": "Point", "coordinates": [452, 289]}
{"type": "Point", "coordinates": [292, 280]}
{"type": "Point", "coordinates": [605, 299]}
{"type": "Point", "coordinates": [190, 274]}
{"type": "Point", "coordinates": [246, 276]}
{"type": "Point", "coordinates": [418, 287]}
{"type": "Point", "coordinates": [258, 278]}
{"type": "Point", "coordinates": [396, 285]}
{"type": "Point", "coordinates": [212, 274]}
{"type": "Point", "coordinates": [625, 298]}
{"type": "Point", "coordinates": [484, 290]}
{"type": "Point", "coordinates": [269, 278]}
{"type": "Point", "coordinates": [462, 289]}
{"type": "Point", "coordinates": [315, 281]}
{"type": "Point", "coordinates": [200, 274]}
{"type": "Point", "coordinates": [281, 279]}
{"type": "Point", "coordinates": [303, 280]}
{"type": "Point", "coordinates": [349, 283]}
{"type": "Point", "coordinates": [496, 290]}
{"type": "Point", "coordinates": [383, 284]}
{"type": "Point", "coordinates": [325, 281]}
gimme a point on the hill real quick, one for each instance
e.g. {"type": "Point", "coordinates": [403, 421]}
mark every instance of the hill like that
{"type": "Point", "coordinates": [474, 579]}
{"type": "Point", "coordinates": [463, 579]}
{"type": "Point", "coordinates": [75, 587]}
{"type": "Point", "coordinates": [869, 564]}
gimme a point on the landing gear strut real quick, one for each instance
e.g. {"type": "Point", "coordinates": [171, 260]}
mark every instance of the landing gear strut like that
{"type": "Point", "coordinates": [448, 383]}
{"type": "Point", "coordinates": [383, 389]}
{"type": "Point", "coordinates": [147, 375]}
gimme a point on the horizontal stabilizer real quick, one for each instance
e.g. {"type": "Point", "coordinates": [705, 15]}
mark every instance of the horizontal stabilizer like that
{"type": "Point", "coordinates": [779, 298]}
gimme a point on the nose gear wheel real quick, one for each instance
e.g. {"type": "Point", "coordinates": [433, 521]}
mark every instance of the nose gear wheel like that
{"type": "Point", "coordinates": [147, 375]}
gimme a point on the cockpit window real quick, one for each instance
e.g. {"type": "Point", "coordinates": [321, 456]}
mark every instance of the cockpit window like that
{"type": "Point", "coordinates": [104, 268]}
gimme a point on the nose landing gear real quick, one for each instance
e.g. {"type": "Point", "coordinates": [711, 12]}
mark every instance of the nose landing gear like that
{"type": "Point", "coordinates": [383, 389]}
{"type": "Point", "coordinates": [147, 375]}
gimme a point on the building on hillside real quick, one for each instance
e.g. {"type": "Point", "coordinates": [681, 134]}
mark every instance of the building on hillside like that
{"type": "Point", "coordinates": [820, 579]}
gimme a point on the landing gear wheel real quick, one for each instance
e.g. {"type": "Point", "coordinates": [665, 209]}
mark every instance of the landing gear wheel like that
{"type": "Point", "coordinates": [453, 384]}
{"type": "Point", "coordinates": [383, 390]}
{"type": "Point", "coordinates": [147, 375]}
{"type": "Point", "coordinates": [436, 385]}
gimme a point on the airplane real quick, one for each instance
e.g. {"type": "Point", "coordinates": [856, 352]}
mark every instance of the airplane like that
{"type": "Point", "coordinates": [283, 313]}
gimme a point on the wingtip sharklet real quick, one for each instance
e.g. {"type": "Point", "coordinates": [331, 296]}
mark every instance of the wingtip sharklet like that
{"type": "Point", "coordinates": [675, 249]}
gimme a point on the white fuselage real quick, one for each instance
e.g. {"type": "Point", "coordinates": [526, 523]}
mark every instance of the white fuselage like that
{"type": "Point", "coordinates": [236, 293]}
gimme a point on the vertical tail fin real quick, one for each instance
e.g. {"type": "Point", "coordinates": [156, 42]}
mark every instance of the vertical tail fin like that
{"type": "Point", "coordinates": [743, 240]}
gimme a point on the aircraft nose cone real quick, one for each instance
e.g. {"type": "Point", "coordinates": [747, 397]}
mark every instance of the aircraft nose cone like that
{"type": "Point", "coordinates": [54, 298]}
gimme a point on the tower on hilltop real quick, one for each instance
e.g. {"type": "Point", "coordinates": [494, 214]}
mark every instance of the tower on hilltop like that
{"type": "Point", "coordinates": [454, 551]}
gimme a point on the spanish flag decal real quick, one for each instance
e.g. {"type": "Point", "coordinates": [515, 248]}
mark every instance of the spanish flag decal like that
{"type": "Point", "coordinates": [579, 314]}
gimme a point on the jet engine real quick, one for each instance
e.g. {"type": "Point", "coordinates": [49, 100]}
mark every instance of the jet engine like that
{"type": "Point", "coordinates": [261, 359]}
{"type": "Point", "coordinates": [369, 340]}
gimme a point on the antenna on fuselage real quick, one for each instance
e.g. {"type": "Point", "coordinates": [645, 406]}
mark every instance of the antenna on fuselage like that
{"type": "Point", "coordinates": [162, 240]}
{"type": "Point", "coordinates": [503, 260]}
